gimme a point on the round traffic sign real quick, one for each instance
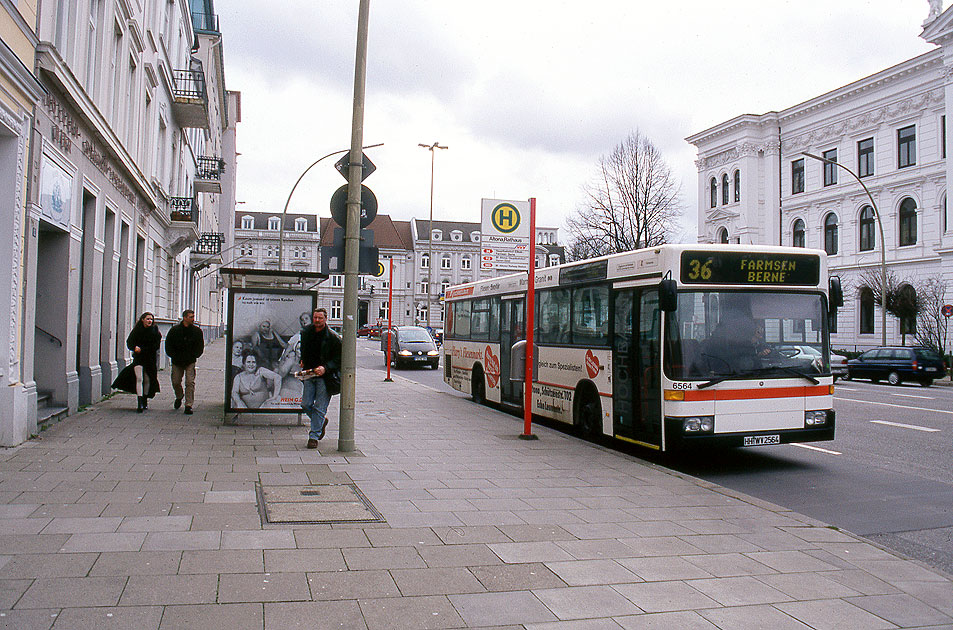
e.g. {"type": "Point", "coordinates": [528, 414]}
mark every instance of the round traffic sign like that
{"type": "Point", "coordinates": [339, 206]}
{"type": "Point", "coordinates": [505, 218]}
{"type": "Point", "coordinates": [380, 270]}
{"type": "Point", "coordinates": [947, 310]}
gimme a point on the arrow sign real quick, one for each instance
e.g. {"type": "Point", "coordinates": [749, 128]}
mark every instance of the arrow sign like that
{"type": "Point", "coordinates": [367, 167]}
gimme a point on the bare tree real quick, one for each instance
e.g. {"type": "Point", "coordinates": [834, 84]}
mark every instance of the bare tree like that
{"type": "Point", "coordinates": [633, 203]}
{"type": "Point", "coordinates": [904, 299]}
{"type": "Point", "coordinates": [932, 324]}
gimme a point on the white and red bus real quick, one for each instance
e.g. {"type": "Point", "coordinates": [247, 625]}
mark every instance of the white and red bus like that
{"type": "Point", "coordinates": [665, 347]}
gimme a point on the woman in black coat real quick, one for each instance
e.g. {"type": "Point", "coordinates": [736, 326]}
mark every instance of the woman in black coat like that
{"type": "Point", "coordinates": [142, 377]}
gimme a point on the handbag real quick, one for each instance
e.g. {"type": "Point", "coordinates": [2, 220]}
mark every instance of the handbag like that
{"type": "Point", "coordinates": [332, 382]}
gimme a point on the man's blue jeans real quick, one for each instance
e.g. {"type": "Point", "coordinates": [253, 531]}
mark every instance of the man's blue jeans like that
{"type": "Point", "coordinates": [314, 402]}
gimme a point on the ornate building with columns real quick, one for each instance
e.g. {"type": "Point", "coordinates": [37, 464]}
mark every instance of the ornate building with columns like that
{"type": "Point", "coordinates": [756, 183]}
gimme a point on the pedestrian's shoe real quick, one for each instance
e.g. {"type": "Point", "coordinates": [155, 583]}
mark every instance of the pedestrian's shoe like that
{"type": "Point", "coordinates": [312, 443]}
{"type": "Point", "coordinates": [140, 404]}
{"type": "Point", "coordinates": [188, 410]}
{"type": "Point", "coordinates": [177, 404]}
{"type": "Point", "coordinates": [145, 402]}
{"type": "Point", "coordinates": [323, 427]}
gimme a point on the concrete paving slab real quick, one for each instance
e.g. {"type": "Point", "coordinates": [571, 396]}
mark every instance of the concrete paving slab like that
{"type": "Point", "coordinates": [72, 592]}
{"type": "Point", "coordinates": [119, 617]}
{"type": "Point", "coordinates": [263, 587]}
{"type": "Point", "coordinates": [231, 616]}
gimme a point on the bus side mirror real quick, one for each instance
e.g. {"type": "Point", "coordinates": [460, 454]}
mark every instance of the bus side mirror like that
{"type": "Point", "coordinates": [836, 293]}
{"type": "Point", "coordinates": [667, 295]}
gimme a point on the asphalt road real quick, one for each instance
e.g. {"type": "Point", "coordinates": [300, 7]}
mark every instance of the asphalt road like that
{"type": "Point", "coordinates": [887, 476]}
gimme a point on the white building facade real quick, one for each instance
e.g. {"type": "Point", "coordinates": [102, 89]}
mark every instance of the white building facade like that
{"type": "Point", "coordinates": [125, 203]}
{"type": "Point", "coordinates": [756, 185]}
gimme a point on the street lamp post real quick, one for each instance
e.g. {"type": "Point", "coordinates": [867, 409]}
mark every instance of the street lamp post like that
{"type": "Point", "coordinates": [431, 148]}
{"type": "Point", "coordinates": [883, 251]}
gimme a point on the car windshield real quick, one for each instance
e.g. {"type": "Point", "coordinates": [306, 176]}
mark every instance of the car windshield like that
{"type": "Point", "coordinates": [734, 334]}
{"type": "Point", "coordinates": [415, 334]}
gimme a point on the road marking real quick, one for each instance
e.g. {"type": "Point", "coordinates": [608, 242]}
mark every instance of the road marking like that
{"type": "Point", "coordinates": [914, 396]}
{"type": "Point", "coordinates": [817, 448]}
{"type": "Point", "coordinates": [870, 402]}
{"type": "Point", "coordinates": [905, 426]}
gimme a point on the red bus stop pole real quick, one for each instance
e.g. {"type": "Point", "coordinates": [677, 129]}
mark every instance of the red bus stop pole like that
{"type": "Point", "coordinates": [530, 317]}
{"type": "Point", "coordinates": [390, 313]}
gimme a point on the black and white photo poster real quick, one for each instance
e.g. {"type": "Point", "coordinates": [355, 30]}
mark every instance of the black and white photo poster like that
{"type": "Point", "coordinates": [264, 336]}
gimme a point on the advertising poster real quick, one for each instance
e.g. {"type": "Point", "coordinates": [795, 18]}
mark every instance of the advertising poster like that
{"type": "Point", "coordinates": [264, 333]}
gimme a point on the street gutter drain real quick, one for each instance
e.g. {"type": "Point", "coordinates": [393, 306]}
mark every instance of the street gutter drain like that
{"type": "Point", "coordinates": [328, 503]}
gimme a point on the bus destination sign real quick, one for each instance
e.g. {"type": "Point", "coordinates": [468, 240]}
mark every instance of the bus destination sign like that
{"type": "Point", "coordinates": [754, 268]}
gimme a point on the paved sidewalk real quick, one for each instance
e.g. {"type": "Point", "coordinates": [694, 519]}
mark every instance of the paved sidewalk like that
{"type": "Point", "coordinates": [121, 520]}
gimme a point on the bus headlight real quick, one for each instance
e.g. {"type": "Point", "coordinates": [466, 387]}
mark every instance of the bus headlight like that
{"type": "Point", "coordinates": [698, 424]}
{"type": "Point", "coordinates": [815, 418]}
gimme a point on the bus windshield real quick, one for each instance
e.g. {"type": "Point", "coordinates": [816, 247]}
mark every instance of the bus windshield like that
{"type": "Point", "coordinates": [718, 335]}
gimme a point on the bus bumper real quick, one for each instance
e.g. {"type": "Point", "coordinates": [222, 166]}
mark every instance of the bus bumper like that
{"type": "Point", "coordinates": [676, 439]}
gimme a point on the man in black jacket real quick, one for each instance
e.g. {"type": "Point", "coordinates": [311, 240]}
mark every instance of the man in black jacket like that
{"type": "Point", "coordinates": [184, 344]}
{"type": "Point", "coordinates": [321, 352]}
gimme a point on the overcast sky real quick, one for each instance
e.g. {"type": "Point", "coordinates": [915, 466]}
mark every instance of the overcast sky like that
{"type": "Point", "coordinates": [527, 94]}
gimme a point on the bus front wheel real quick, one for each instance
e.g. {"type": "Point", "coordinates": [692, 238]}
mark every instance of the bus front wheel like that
{"type": "Point", "coordinates": [478, 387]}
{"type": "Point", "coordinates": [588, 414]}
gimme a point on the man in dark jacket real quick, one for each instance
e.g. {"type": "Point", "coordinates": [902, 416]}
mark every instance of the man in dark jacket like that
{"type": "Point", "coordinates": [184, 344]}
{"type": "Point", "coordinates": [321, 352]}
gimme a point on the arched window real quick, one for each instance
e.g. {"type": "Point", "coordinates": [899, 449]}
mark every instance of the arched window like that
{"type": "Point", "coordinates": [830, 234]}
{"type": "Point", "coordinates": [907, 304]}
{"type": "Point", "coordinates": [866, 311]}
{"type": "Point", "coordinates": [737, 185]}
{"type": "Point", "coordinates": [713, 185]}
{"type": "Point", "coordinates": [425, 261]}
{"type": "Point", "coordinates": [724, 189]}
{"type": "Point", "coordinates": [908, 222]}
{"type": "Point", "coordinates": [867, 239]}
{"type": "Point", "coordinates": [945, 221]}
{"type": "Point", "coordinates": [797, 234]}
{"type": "Point", "coordinates": [722, 235]}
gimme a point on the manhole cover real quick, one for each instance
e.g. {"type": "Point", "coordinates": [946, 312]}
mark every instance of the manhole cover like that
{"type": "Point", "coordinates": [330, 503]}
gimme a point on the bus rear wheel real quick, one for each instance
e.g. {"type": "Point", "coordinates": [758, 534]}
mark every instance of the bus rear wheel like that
{"type": "Point", "coordinates": [588, 414]}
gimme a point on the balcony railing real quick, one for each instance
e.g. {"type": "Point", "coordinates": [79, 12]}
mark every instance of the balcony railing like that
{"type": "Point", "coordinates": [190, 96]}
{"type": "Point", "coordinates": [205, 23]}
{"type": "Point", "coordinates": [209, 244]}
{"type": "Point", "coordinates": [208, 174]}
{"type": "Point", "coordinates": [183, 209]}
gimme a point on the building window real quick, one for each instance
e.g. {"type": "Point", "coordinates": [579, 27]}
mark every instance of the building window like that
{"type": "Point", "coordinates": [382, 312]}
{"type": "Point", "coordinates": [797, 176]}
{"type": "Point", "coordinates": [943, 136]}
{"type": "Point", "coordinates": [867, 238]}
{"type": "Point", "coordinates": [553, 260]}
{"type": "Point", "coordinates": [425, 285]}
{"type": "Point", "coordinates": [337, 281]}
{"type": "Point", "coordinates": [445, 261]}
{"type": "Point", "coordinates": [908, 222]}
{"type": "Point", "coordinates": [865, 157]}
{"type": "Point", "coordinates": [248, 223]}
{"type": "Point", "coordinates": [444, 285]}
{"type": "Point", "coordinates": [436, 235]}
{"type": "Point", "coordinates": [906, 146]}
{"type": "Point", "coordinates": [456, 236]}
{"type": "Point", "coordinates": [908, 296]}
{"type": "Point", "coordinates": [465, 263]}
{"type": "Point", "coordinates": [830, 234]}
{"type": "Point", "coordinates": [722, 236]}
{"type": "Point", "coordinates": [866, 311]}
{"type": "Point", "coordinates": [713, 187]}
{"type": "Point", "coordinates": [301, 225]}
{"type": "Point", "coordinates": [830, 170]}
{"type": "Point", "coordinates": [425, 261]}
{"type": "Point", "coordinates": [737, 186]}
{"type": "Point", "coordinates": [475, 237]}
{"type": "Point", "coordinates": [274, 223]}
{"type": "Point", "coordinates": [724, 189]}
{"type": "Point", "coordinates": [797, 234]}
{"type": "Point", "coordinates": [335, 309]}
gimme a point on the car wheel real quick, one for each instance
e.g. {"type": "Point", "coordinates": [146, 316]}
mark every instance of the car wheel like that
{"type": "Point", "coordinates": [893, 378]}
{"type": "Point", "coordinates": [847, 376]}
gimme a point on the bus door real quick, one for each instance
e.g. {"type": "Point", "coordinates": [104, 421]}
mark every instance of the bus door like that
{"type": "Point", "coordinates": [512, 329]}
{"type": "Point", "coordinates": [636, 361]}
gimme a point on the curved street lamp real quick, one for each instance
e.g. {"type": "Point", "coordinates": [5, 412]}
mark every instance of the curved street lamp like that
{"type": "Point", "coordinates": [883, 254]}
{"type": "Point", "coordinates": [281, 231]}
{"type": "Point", "coordinates": [430, 267]}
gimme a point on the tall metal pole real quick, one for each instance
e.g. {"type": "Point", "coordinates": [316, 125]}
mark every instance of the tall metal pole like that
{"type": "Point", "coordinates": [352, 238]}
{"type": "Point", "coordinates": [430, 266]}
{"type": "Point", "coordinates": [883, 250]}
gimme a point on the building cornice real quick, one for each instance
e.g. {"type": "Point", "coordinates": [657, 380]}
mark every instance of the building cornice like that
{"type": "Point", "coordinates": [12, 67]}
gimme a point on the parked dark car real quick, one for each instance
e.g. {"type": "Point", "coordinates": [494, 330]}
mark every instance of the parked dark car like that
{"type": "Point", "coordinates": [369, 331]}
{"type": "Point", "coordinates": [410, 345]}
{"type": "Point", "coordinates": [898, 364]}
